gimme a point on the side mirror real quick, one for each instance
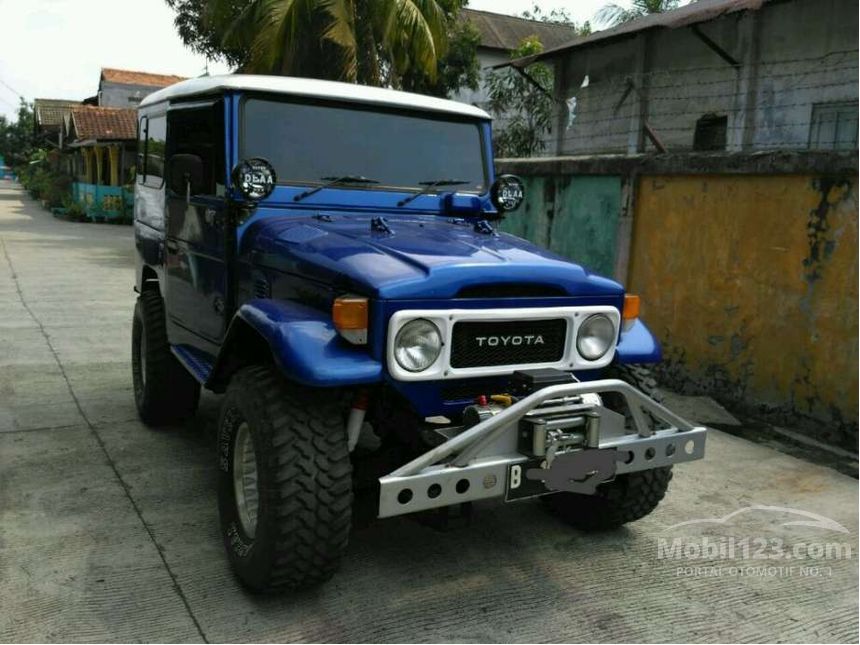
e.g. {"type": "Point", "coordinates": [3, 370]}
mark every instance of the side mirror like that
{"type": "Point", "coordinates": [185, 175]}
{"type": "Point", "coordinates": [507, 193]}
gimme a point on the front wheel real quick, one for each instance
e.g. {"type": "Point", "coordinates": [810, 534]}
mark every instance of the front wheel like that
{"type": "Point", "coordinates": [285, 481]}
{"type": "Point", "coordinates": [628, 497]}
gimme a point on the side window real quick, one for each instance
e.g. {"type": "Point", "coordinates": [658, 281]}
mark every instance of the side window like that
{"type": "Point", "coordinates": [141, 148]}
{"type": "Point", "coordinates": [156, 135]}
{"type": "Point", "coordinates": [200, 131]}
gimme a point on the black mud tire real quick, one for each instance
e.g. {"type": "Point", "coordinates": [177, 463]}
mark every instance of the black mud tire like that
{"type": "Point", "coordinates": [639, 376]}
{"type": "Point", "coordinates": [304, 481]}
{"type": "Point", "coordinates": [628, 497]}
{"type": "Point", "coordinates": [164, 392]}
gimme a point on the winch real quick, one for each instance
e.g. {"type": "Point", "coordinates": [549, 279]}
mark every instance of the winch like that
{"type": "Point", "coordinates": [557, 426]}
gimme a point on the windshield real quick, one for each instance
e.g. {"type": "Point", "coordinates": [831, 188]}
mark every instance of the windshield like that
{"type": "Point", "coordinates": [305, 142]}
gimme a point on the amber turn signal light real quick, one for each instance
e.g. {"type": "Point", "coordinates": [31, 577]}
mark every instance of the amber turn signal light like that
{"type": "Point", "coordinates": [349, 314]}
{"type": "Point", "coordinates": [631, 307]}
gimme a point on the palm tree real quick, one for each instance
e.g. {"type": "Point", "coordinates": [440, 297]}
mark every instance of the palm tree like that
{"type": "Point", "coordinates": [612, 14]}
{"type": "Point", "coordinates": [373, 42]}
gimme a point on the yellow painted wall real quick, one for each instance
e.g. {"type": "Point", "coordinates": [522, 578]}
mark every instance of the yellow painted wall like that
{"type": "Point", "coordinates": [751, 284]}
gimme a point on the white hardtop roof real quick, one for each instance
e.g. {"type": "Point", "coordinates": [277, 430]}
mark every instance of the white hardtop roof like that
{"type": "Point", "coordinates": [311, 87]}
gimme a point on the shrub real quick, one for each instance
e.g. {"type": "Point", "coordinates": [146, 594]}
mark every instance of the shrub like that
{"type": "Point", "coordinates": [74, 210]}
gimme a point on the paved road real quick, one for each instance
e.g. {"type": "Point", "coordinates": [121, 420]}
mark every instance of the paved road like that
{"type": "Point", "coordinates": [108, 529]}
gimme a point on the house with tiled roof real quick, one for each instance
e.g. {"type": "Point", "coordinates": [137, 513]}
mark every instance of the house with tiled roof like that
{"type": "Point", "coordinates": [504, 33]}
{"type": "Point", "coordinates": [123, 88]}
{"type": "Point", "coordinates": [102, 143]}
{"type": "Point", "coordinates": [99, 137]}
{"type": "Point", "coordinates": [500, 35]}
{"type": "Point", "coordinates": [90, 124]}
{"type": "Point", "coordinates": [48, 117]}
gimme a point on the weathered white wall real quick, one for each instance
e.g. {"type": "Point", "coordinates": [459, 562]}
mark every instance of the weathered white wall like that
{"type": "Point", "coordinates": [806, 29]}
{"type": "Point", "coordinates": [123, 96]}
{"type": "Point", "coordinates": [793, 55]}
{"type": "Point", "coordinates": [486, 59]}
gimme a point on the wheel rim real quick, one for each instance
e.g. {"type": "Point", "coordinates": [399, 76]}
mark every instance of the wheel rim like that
{"type": "Point", "coordinates": [245, 480]}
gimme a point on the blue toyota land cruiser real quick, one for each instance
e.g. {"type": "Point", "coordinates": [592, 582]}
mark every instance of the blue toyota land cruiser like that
{"type": "Point", "coordinates": [328, 257]}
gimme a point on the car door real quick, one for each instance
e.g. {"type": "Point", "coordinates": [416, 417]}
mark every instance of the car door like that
{"type": "Point", "coordinates": [196, 224]}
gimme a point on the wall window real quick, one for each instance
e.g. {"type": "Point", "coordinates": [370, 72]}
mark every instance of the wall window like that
{"type": "Point", "coordinates": [833, 126]}
{"type": "Point", "coordinates": [710, 133]}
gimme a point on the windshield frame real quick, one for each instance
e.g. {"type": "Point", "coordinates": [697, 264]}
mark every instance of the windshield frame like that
{"type": "Point", "coordinates": [379, 109]}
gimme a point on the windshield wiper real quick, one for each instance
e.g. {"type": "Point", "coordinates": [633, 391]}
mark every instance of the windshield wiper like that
{"type": "Point", "coordinates": [430, 185]}
{"type": "Point", "coordinates": [334, 181]}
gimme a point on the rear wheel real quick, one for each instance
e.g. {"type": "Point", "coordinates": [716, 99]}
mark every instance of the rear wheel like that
{"type": "Point", "coordinates": [164, 391]}
{"type": "Point", "coordinates": [628, 497]}
{"type": "Point", "coordinates": [285, 481]}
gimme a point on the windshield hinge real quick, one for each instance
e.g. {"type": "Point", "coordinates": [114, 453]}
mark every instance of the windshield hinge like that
{"type": "Point", "coordinates": [380, 225]}
{"type": "Point", "coordinates": [483, 226]}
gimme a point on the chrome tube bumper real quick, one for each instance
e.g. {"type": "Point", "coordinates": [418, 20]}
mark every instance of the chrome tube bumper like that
{"type": "Point", "coordinates": [475, 463]}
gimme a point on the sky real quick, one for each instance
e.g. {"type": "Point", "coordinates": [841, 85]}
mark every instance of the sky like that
{"type": "Point", "coordinates": [55, 48]}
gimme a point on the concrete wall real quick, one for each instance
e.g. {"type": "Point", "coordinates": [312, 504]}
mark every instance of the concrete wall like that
{"type": "Point", "coordinates": [751, 283]}
{"type": "Point", "coordinates": [747, 266]}
{"type": "Point", "coordinates": [574, 216]}
{"type": "Point", "coordinates": [793, 56]}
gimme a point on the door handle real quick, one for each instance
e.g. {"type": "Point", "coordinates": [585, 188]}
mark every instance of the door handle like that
{"type": "Point", "coordinates": [212, 217]}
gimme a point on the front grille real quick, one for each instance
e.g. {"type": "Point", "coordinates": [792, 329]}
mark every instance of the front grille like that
{"type": "Point", "coordinates": [518, 342]}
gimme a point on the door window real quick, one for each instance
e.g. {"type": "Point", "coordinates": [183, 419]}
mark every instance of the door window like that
{"type": "Point", "coordinates": [199, 131]}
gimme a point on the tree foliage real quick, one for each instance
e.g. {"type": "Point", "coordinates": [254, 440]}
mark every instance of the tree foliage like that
{"type": "Point", "coordinates": [524, 111]}
{"type": "Point", "coordinates": [17, 138]}
{"type": "Point", "coordinates": [413, 44]}
{"type": "Point", "coordinates": [459, 67]}
{"type": "Point", "coordinates": [558, 16]}
{"type": "Point", "coordinates": [612, 14]}
{"type": "Point", "coordinates": [523, 107]}
{"type": "Point", "coordinates": [200, 25]}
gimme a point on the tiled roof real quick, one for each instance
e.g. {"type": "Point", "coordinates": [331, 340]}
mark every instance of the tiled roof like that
{"type": "Point", "coordinates": [50, 112]}
{"type": "Point", "coordinates": [103, 123]}
{"type": "Point", "coordinates": [507, 32]}
{"type": "Point", "coordinates": [128, 77]}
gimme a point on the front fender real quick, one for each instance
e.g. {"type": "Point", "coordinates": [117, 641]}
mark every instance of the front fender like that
{"type": "Point", "coordinates": [638, 345]}
{"type": "Point", "coordinates": [305, 346]}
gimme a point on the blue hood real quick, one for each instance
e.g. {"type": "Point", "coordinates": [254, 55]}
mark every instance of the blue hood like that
{"type": "Point", "coordinates": [411, 256]}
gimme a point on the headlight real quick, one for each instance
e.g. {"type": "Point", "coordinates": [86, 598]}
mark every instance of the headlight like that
{"type": "Point", "coordinates": [417, 345]}
{"type": "Point", "coordinates": [595, 337]}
